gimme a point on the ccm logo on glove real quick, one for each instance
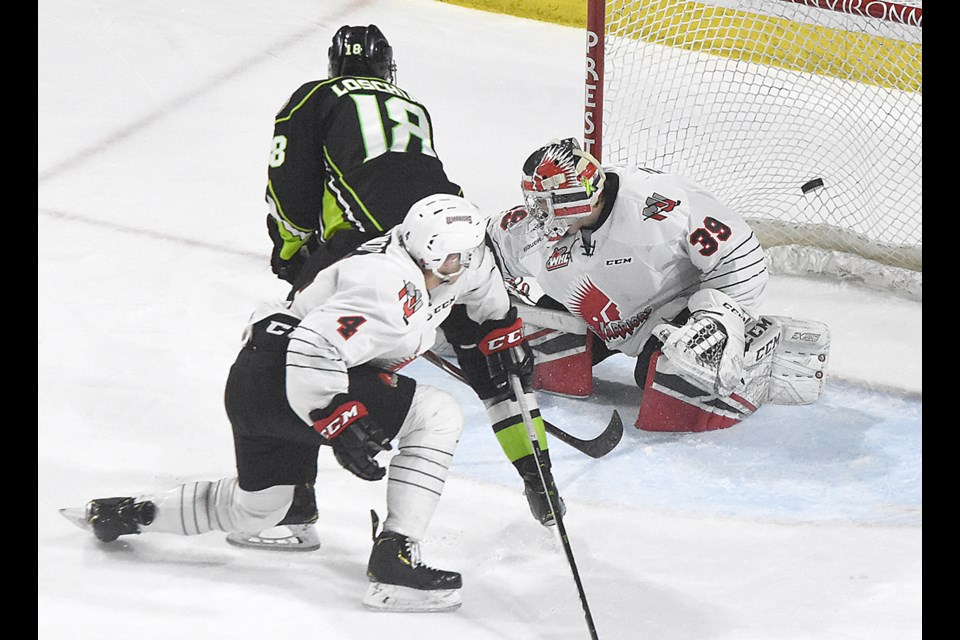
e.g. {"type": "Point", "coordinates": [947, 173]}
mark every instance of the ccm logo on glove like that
{"type": "Point", "coordinates": [340, 418]}
{"type": "Point", "coordinates": [503, 338]}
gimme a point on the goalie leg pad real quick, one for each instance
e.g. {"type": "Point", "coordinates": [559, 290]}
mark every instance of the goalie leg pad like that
{"type": "Point", "coordinates": [799, 368]}
{"type": "Point", "coordinates": [671, 403]}
{"type": "Point", "coordinates": [786, 360]}
{"type": "Point", "coordinates": [562, 350]}
{"type": "Point", "coordinates": [563, 362]}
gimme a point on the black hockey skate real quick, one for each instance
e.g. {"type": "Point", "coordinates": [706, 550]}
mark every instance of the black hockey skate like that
{"type": "Point", "coordinates": [401, 582]}
{"type": "Point", "coordinates": [537, 498]}
{"type": "Point", "coordinates": [110, 518]}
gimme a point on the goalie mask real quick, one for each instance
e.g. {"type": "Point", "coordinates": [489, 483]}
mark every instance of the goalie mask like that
{"type": "Point", "coordinates": [440, 226]}
{"type": "Point", "coordinates": [361, 51]}
{"type": "Point", "coordinates": [561, 182]}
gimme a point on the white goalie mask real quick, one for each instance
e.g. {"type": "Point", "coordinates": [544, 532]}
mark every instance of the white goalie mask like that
{"type": "Point", "coordinates": [442, 225]}
{"type": "Point", "coordinates": [560, 182]}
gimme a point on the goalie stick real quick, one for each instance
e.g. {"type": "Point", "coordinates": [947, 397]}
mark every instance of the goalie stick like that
{"type": "Point", "coordinates": [597, 447]}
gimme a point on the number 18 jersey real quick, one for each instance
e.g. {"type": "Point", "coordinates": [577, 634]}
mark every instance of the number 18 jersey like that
{"type": "Point", "coordinates": [351, 152]}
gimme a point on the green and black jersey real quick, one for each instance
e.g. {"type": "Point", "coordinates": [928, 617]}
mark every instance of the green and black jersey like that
{"type": "Point", "coordinates": [350, 153]}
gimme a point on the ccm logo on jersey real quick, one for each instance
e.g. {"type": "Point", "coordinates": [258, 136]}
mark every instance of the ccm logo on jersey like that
{"type": "Point", "coordinates": [616, 261]}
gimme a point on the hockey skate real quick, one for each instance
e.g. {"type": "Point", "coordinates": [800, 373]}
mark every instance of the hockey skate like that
{"type": "Point", "coordinates": [399, 581]}
{"type": "Point", "coordinates": [110, 518]}
{"type": "Point", "coordinates": [294, 533]}
{"type": "Point", "coordinates": [537, 498]}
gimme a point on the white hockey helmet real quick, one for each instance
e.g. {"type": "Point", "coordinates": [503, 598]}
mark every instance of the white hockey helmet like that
{"type": "Point", "coordinates": [441, 225]}
{"type": "Point", "coordinates": [560, 182]}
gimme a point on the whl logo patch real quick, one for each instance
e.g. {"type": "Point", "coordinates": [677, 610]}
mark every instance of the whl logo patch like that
{"type": "Point", "coordinates": [558, 259]}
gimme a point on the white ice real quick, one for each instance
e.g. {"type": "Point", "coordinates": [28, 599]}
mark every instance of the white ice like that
{"type": "Point", "coordinates": [154, 121]}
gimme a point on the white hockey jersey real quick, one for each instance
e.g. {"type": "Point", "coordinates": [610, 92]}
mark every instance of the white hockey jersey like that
{"type": "Point", "coordinates": [373, 308]}
{"type": "Point", "coordinates": [665, 238]}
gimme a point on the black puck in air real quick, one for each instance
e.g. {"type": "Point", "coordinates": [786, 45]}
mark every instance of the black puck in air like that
{"type": "Point", "coordinates": [816, 183]}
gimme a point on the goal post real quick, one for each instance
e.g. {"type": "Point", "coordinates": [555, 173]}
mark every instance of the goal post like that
{"type": "Point", "coordinates": [805, 116]}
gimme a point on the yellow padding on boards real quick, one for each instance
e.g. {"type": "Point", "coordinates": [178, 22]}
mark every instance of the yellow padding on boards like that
{"type": "Point", "coordinates": [776, 42]}
{"type": "Point", "coordinates": [862, 58]}
{"type": "Point", "coordinates": [569, 13]}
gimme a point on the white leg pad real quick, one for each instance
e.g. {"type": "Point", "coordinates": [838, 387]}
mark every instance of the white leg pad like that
{"type": "Point", "coordinates": [799, 368]}
{"type": "Point", "coordinates": [198, 507]}
{"type": "Point", "coordinates": [786, 360]}
{"type": "Point", "coordinates": [426, 443]}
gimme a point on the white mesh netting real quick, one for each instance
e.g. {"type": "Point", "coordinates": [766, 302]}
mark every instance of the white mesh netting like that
{"type": "Point", "coordinates": [761, 100]}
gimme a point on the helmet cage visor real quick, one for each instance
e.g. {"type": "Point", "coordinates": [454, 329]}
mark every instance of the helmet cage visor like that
{"type": "Point", "coordinates": [553, 210]}
{"type": "Point", "coordinates": [465, 260]}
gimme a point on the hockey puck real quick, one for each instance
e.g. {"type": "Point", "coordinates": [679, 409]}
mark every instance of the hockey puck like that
{"type": "Point", "coordinates": [816, 183]}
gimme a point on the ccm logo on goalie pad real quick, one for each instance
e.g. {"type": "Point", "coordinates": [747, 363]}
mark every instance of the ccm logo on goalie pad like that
{"type": "Point", "coordinates": [342, 417]}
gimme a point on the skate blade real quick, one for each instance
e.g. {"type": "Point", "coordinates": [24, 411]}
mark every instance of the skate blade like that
{"type": "Point", "coordinates": [294, 537]}
{"type": "Point", "coordinates": [391, 597]}
{"type": "Point", "coordinates": [77, 516]}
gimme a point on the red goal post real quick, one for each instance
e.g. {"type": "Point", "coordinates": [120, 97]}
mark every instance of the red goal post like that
{"type": "Point", "coordinates": [803, 115]}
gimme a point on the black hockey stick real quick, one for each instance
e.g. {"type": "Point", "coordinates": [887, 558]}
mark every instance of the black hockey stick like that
{"type": "Point", "coordinates": [597, 447]}
{"type": "Point", "coordinates": [551, 498]}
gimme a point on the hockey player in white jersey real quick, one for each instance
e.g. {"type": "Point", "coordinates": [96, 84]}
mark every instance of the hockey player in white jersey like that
{"type": "Point", "coordinates": [655, 267]}
{"type": "Point", "coordinates": [321, 369]}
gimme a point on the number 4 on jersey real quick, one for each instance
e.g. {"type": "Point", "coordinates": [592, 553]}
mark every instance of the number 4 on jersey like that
{"type": "Point", "coordinates": [349, 325]}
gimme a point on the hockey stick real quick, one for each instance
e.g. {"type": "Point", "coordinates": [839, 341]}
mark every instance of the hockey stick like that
{"type": "Point", "coordinates": [597, 447]}
{"type": "Point", "coordinates": [552, 500]}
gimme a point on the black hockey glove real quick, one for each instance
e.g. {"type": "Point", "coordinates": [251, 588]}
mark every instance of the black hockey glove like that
{"type": "Point", "coordinates": [506, 350]}
{"type": "Point", "coordinates": [354, 435]}
{"type": "Point", "coordinates": [290, 268]}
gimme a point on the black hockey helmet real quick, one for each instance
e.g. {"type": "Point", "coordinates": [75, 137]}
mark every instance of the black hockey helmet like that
{"type": "Point", "coordinates": [361, 51]}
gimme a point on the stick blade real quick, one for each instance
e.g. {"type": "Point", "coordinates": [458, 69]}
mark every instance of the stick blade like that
{"type": "Point", "coordinates": [608, 440]}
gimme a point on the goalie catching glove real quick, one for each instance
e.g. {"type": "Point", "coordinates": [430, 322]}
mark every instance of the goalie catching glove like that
{"type": "Point", "coordinates": [506, 350]}
{"type": "Point", "coordinates": [354, 435]}
{"type": "Point", "coordinates": [708, 349]}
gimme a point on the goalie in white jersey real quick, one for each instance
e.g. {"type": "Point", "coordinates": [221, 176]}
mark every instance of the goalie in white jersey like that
{"type": "Point", "coordinates": [321, 369]}
{"type": "Point", "coordinates": [658, 269]}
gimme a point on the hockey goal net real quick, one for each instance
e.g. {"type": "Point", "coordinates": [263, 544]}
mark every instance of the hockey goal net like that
{"type": "Point", "coordinates": [803, 115]}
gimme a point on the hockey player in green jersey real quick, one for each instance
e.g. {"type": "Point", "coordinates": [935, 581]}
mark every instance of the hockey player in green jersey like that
{"type": "Point", "coordinates": [350, 155]}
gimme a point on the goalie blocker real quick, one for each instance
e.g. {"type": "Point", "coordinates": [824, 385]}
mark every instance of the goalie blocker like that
{"type": "Point", "coordinates": [784, 362]}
